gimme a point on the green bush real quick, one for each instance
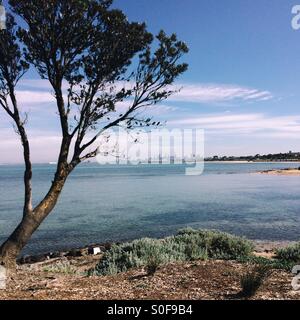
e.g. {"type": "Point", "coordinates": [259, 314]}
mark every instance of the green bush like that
{"type": "Point", "coordinates": [254, 279]}
{"type": "Point", "coordinates": [289, 254]}
{"type": "Point", "coordinates": [153, 260]}
{"type": "Point", "coordinates": [64, 267]}
{"type": "Point", "coordinates": [187, 245]}
{"type": "Point", "coordinates": [218, 245]}
{"type": "Point", "coordinates": [149, 253]}
{"type": "Point", "coordinates": [271, 263]}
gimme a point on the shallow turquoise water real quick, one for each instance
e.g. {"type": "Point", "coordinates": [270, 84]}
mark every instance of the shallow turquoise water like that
{"type": "Point", "coordinates": [121, 203]}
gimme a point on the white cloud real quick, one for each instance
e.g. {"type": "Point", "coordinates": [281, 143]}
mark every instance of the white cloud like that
{"type": "Point", "coordinates": [250, 123]}
{"type": "Point", "coordinates": [212, 93]}
{"type": "Point", "coordinates": [44, 146]}
{"type": "Point", "coordinates": [36, 94]}
{"type": "Point", "coordinates": [201, 92]}
{"type": "Point", "coordinates": [222, 131]}
{"type": "Point", "coordinates": [34, 98]}
{"type": "Point", "coordinates": [37, 85]}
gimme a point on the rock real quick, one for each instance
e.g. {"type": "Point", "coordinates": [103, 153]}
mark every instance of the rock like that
{"type": "Point", "coordinates": [24, 260]}
{"type": "Point", "coordinates": [56, 254]}
{"type": "Point", "coordinates": [2, 278]}
{"type": "Point", "coordinates": [38, 258]}
{"type": "Point", "coordinates": [94, 250]}
{"type": "Point", "coordinates": [74, 253]}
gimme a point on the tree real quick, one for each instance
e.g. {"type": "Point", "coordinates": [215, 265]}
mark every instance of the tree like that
{"type": "Point", "coordinates": [87, 51]}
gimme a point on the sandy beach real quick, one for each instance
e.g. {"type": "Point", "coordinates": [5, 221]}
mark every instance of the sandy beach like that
{"type": "Point", "coordinates": [283, 172]}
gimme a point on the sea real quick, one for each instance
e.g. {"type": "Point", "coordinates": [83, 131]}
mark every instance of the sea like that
{"type": "Point", "coordinates": [118, 203]}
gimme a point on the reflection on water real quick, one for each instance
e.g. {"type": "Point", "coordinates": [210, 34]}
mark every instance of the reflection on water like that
{"type": "Point", "coordinates": [119, 203]}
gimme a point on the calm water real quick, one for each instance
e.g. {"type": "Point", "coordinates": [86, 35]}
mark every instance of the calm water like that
{"type": "Point", "coordinates": [121, 203]}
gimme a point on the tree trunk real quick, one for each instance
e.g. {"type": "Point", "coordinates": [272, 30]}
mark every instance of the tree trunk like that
{"type": "Point", "coordinates": [12, 247]}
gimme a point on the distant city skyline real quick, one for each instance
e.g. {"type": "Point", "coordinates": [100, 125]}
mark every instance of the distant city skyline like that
{"type": "Point", "coordinates": [241, 87]}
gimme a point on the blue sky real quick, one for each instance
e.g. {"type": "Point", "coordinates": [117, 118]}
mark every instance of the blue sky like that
{"type": "Point", "coordinates": [242, 85]}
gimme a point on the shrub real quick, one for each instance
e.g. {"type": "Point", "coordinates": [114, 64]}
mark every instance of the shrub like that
{"type": "Point", "coordinates": [271, 263]}
{"type": "Point", "coordinates": [254, 279]}
{"type": "Point", "coordinates": [64, 267]}
{"type": "Point", "coordinates": [150, 253]}
{"type": "Point", "coordinates": [218, 245]}
{"type": "Point", "coordinates": [290, 254]}
{"type": "Point", "coordinates": [187, 245]}
{"type": "Point", "coordinates": [153, 262]}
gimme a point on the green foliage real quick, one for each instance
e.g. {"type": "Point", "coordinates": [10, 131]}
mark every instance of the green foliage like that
{"type": "Point", "coordinates": [64, 267]}
{"type": "Point", "coordinates": [12, 64]}
{"type": "Point", "coordinates": [290, 254]}
{"type": "Point", "coordinates": [254, 279]}
{"type": "Point", "coordinates": [218, 245]}
{"type": "Point", "coordinates": [94, 48]}
{"type": "Point", "coordinates": [153, 258]}
{"type": "Point", "coordinates": [187, 245]}
{"type": "Point", "coordinates": [272, 263]}
{"type": "Point", "coordinates": [80, 38]}
{"type": "Point", "coordinates": [146, 252]}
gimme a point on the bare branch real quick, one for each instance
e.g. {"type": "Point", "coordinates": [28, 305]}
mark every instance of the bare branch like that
{"type": "Point", "coordinates": [12, 68]}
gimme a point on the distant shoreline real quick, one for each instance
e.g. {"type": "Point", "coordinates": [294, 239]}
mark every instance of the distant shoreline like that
{"type": "Point", "coordinates": [250, 162]}
{"type": "Point", "coordinates": [282, 172]}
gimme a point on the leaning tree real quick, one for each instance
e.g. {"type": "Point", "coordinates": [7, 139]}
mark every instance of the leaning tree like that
{"type": "Point", "coordinates": [86, 50]}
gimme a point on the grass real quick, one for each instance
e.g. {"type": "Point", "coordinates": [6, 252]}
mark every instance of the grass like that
{"type": "Point", "coordinates": [290, 254]}
{"type": "Point", "coordinates": [187, 245]}
{"type": "Point", "coordinates": [271, 263]}
{"type": "Point", "coordinates": [63, 267]}
{"type": "Point", "coordinates": [254, 279]}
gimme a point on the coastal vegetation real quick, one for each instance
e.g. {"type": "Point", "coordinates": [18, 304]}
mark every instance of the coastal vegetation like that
{"type": "Point", "coordinates": [187, 245]}
{"type": "Point", "coordinates": [191, 245]}
{"type": "Point", "coordinates": [192, 264]}
{"type": "Point", "coordinates": [290, 254]}
{"type": "Point", "coordinates": [64, 267]}
{"type": "Point", "coordinates": [252, 281]}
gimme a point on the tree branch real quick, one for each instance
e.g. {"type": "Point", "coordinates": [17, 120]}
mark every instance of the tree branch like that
{"type": "Point", "coordinates": [15, 115]}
